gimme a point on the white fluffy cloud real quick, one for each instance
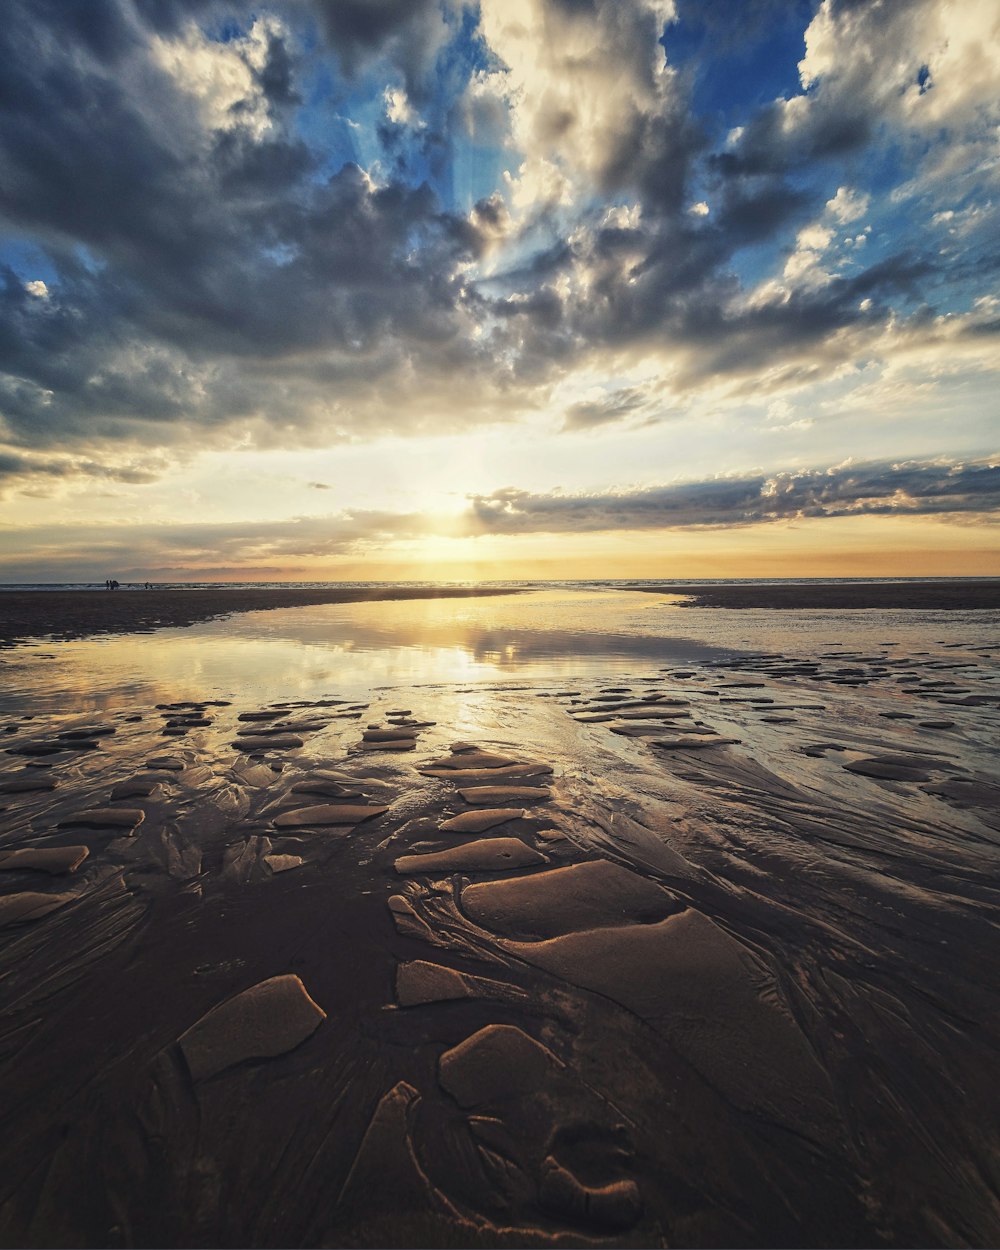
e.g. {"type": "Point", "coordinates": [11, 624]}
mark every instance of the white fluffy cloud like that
{"type": "Point", "coordinates": [847, 205]}
{"type": "Point", "coordinates": [579, 81]}
{"type": "Point", "coordinates": [926, 70]}
{"type": "Point", "coordinates": [929, 64]}
{"type": "Point", "coordinates": [219, 77]}
{"type": "Point", "coordinates": [819, 252]}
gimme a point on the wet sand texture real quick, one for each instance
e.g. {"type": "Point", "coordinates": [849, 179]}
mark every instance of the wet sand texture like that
{"type": "Point", "coordinates": [556, 985]}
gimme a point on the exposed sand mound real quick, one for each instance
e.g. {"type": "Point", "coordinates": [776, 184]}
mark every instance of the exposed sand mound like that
{"type": "Point", "coordinates": [481, 820]}
{"type": "Point", "coordinates": [591, 895]}
{"type": "Point", "coordinates": [709, 997]}
{"type": "Point", "coordinates": [266, 1020]}
{"type": "Point", "coordinates": [497, 1063]}
{"type": "Point", "coordinates": [486, 855]}
{"type": "Point", "coordinates": [327, 814]}
{"type": "Point", "coordinates": [54, 860]}
{"type": "Point", "coordinates": [505, 794]}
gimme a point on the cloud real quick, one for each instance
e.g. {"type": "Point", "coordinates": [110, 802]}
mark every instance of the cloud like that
{"type": "Point", "coordinates": [594, 106]}
{"type": "Point", "coordinates": [656, 274]}
{"type": "Point", "coordinates": [908, 488]}
{"type": "Point", "coordinates": [226, 82]}
{"type": "Point", "coordinates": [847, 205]}
{"type": "Point", "coordinates": [208, 270]}
{"type": "Point", "coordinates": [26, 472]}
{"type": "Point", "coordinates": [198, 258]}
{"type": "Point", "coordinates": [83, 550]}
{"type": "Point", "coordinates": [958, 490]}
{"type": "Point", "coordinates": [913, 69]}
{"type": "Point", "coordinates": [407, 33]}
{"type": "Point", "coordinates": [927, 64]}
{"type": "Point", "coordinates": [604, 409]}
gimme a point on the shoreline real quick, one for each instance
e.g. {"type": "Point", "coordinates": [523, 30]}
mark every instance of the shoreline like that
{"type": "Point", "coordinates": [67, 615]}
{"type": "Point", "coordinates": [961, 596]}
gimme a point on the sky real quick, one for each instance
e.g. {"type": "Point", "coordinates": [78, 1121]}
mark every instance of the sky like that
{"type": "Point", "coordinates": [381, 289]}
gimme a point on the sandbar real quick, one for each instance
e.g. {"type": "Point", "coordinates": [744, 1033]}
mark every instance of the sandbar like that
{"type": "Point", "coordinates": [69, 614]}
{"type": "Point", "coordinates": [950, 595]}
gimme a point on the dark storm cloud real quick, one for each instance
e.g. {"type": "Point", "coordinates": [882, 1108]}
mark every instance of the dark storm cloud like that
{"type": "Point", "coordinates": [669, 283]}
{"type": "Point", "coordinates": [767, 145]}
{"type": "Point", "coordinates": [277, 75]}
{"type": "Point", "coordinates": [752, 210]}
{"type": "Point", "coordinates": [850, 490]}
{"type": "Point", "coordinates": [803, 326]}
{"type": "Point", "coordinates": [200, 249]}
{"type": "Point", "coordinates": [407, 32]}
{"type": "Point", "coordinates": [168, 16]}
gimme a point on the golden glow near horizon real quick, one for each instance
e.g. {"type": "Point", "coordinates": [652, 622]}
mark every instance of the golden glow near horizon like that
{"type": "Point", "coordinates": [548, 350]}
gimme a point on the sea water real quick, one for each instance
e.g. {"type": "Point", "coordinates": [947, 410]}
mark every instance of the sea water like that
{"type": "Point", "coordinates": [554, 634]}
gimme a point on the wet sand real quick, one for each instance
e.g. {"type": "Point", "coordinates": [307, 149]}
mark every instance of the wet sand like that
{"type": "Point", "coordinates": [704, 957]}
{"type": "Point", "coordinates": [926, 596]}
{"type": "Point", "coordinates": [65, 614]}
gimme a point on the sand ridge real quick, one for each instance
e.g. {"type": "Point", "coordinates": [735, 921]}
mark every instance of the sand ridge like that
{"type": "Point", "coordinates": [63, 614]}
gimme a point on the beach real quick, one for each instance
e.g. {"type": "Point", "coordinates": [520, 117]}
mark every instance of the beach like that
{"type": "Point", "coordinates": [912, 595]}
{"type": "Point", "coordinates": [65, 614]}
{"type": "Point", "coordinates": [552, 918]}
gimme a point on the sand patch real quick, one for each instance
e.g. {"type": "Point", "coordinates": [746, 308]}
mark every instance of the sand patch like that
{"type": "Point", "coordinates": [497, 1063]}
{"type": "Point", "coordinates": [327, 814]}
{"type": "Point", "coordinates": [506, 794]}
{"type": "Point", "coordinates": [29, 905]}
{"type": "Point", "coordinates": [485, 855]}
{"type": "Point", "coordinates": [129, 818]}
{"type": "Point", "coordinates": [480, 821]}
{"type": "Point", "coordinates": [53, 860]}
{"type": "Point", "coordinates": [591, 895]}
{"type": "Point", "coordinates": [269, 1019]}
{"type": "Point", "coordinates": [704, 991]}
